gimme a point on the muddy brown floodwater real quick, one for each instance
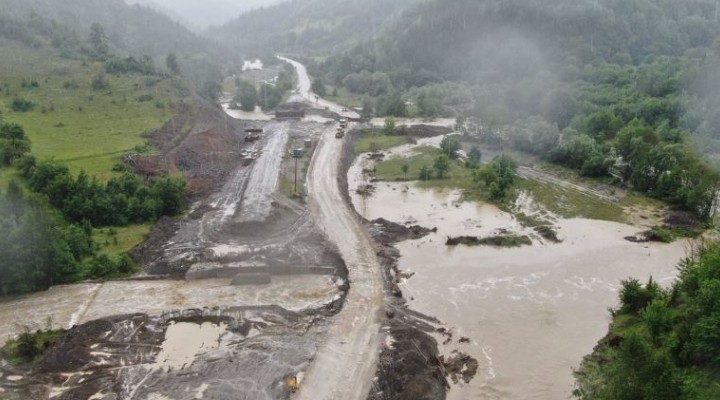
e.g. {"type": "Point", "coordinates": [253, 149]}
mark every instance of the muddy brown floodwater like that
{"type": "Point", "coordinates": [530, 313]}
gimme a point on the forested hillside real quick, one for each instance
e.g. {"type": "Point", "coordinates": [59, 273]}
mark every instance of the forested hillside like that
{"type": "Point", "coordinates": [309, 27]}
{"type": "Point", "coordinates": [130, 30]}
{"type": "Point", "coordinates": [477, 40]}
{"type": "Point", "coordinates": [607, 87]}
{"type": "Point", "coordinates": [663, 343]}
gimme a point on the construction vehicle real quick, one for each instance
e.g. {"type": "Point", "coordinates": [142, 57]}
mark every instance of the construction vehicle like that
{"type": "Point", "coordinates": [252, 135]}
{"type": "Point", "coordinates": [340, 133]}
{"type": "Point", "coordinates": [249, 156]}
{"type": "Point", "coordinates": [343, 123]}
{"type": "Point", "coordinates": [292, 383]}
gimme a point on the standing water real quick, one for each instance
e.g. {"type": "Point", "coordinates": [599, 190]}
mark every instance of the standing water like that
{"type": "Point", "coordinates": [530, 313]}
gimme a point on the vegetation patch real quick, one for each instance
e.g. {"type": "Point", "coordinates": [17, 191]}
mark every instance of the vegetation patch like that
{"type": "Point", "coordinates": [29, 347]}
{"type": "Point", "coordinates": [547, 232]}
{"type": "Point", "coordinates": [495, 241]}
{"type": "Point", "coordinates": [120, 240]}
{"type": "Point", "coordinates": [571, 204]}
{"type": "Point", "coordinates": [665, 234]}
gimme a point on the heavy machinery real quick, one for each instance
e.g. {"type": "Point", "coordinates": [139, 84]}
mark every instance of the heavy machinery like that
{"type": "Point", "coordinates": [292, 383]}
{"type": "Point", "coordinates": [252, 135]}
{"type": "Point", "coordinates": [343, 123]}
{"type": "Point", "coordinates": [340, 133]}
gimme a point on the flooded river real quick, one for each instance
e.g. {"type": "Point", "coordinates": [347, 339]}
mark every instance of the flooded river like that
{"type": "Point", "coordinates": [64, 306]}
{"type": "Point", "coordinates": [530, 313]}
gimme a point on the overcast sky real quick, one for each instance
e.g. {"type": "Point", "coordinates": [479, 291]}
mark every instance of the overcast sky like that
{"type": "Point", "coordinates": [203, 13]}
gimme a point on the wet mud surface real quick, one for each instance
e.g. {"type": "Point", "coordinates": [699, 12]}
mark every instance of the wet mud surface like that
{"type": "Point", "coordinates": [240, 339]}
{"type": "Point", "coordinates": [239, 353]}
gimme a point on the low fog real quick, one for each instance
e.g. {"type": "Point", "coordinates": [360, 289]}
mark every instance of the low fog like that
{"type": "Point", "coordinates": [200, 14]}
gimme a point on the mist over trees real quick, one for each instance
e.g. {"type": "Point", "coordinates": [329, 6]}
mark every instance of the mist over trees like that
{"type": "Point", "coordinates": [97, 29]}
{"type": "Point", "coordinates": [308, 27]}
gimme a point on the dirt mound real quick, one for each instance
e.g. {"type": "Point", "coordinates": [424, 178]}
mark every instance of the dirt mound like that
{"type": "Point", "coordinates": [496, 241]}
{"type": "Point", "coordinates": [201, 142]}
{"type": "Point", "coordinates": [418, 376]}
{"type": "Point", "coordinates": [460, 366]}
{"type": "Point", "coordinates": [385, 231]}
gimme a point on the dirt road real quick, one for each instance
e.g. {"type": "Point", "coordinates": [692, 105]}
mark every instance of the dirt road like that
{"type": "Point", "coordinates": [345, 364]}
{"type": "Point", "coordinates": [303, 92]}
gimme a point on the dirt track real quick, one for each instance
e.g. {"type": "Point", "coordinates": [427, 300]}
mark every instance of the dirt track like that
{"type": "Point", "coordinates": [345, 364]}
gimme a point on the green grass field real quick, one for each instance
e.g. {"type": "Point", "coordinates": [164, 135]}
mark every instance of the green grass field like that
{"type": "Point", "coordinates": [72, 123]}
{"type": "Point", "coordinates": [120, 240]}
{"type": "Point", "coordinates": [566, 203]}
{"type": "Point", "coordinates": [84, 128]}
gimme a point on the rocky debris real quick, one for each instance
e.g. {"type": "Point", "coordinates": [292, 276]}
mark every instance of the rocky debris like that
{"type": "Point", "coordinates": [504, 240]}
{"type": "Point", "coordinates": [149, 254]}
{"type": "Point", "coordinates": [548, 233]}
{"type": "Point", "coordinates": [385, 231]}
{"type": "Point", "coordinates": [460, 366]}
{"type": "Point", "coordinates": [464, 339]}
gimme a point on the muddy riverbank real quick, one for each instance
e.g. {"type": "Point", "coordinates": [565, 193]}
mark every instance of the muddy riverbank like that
{"type": "Point", "coordinates": [410, 365]}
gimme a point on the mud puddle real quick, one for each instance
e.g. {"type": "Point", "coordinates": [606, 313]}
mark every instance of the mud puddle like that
{"type": "Point", "coordinates": [527, 314]}
{"type": "Point", "coordinates": [184, 340]}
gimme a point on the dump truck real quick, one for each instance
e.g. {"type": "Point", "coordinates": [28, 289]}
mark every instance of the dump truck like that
{"type": "Point", "coordinates": [343, 123]}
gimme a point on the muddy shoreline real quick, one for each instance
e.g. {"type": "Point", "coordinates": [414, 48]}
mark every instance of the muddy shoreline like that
{"type": "Point", "coordinates": [410, 365]}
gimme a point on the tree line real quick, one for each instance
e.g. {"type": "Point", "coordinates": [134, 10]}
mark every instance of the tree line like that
{"type": "Point", "coordinates": [268, 95]}
{"type": "Point", "coordinates": [663, 342]}
{"type": "Point", "coordinates": [47, 233]}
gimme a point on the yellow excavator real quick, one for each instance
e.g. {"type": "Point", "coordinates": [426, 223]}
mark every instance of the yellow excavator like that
{"type": "Point", "coordinates": [292, 383]}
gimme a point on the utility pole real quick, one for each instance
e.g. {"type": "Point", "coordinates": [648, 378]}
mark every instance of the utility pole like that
{"type": "Point", "coordinates": [297, 153]}
{"type": "Point", "coordinates": [295, 185]}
